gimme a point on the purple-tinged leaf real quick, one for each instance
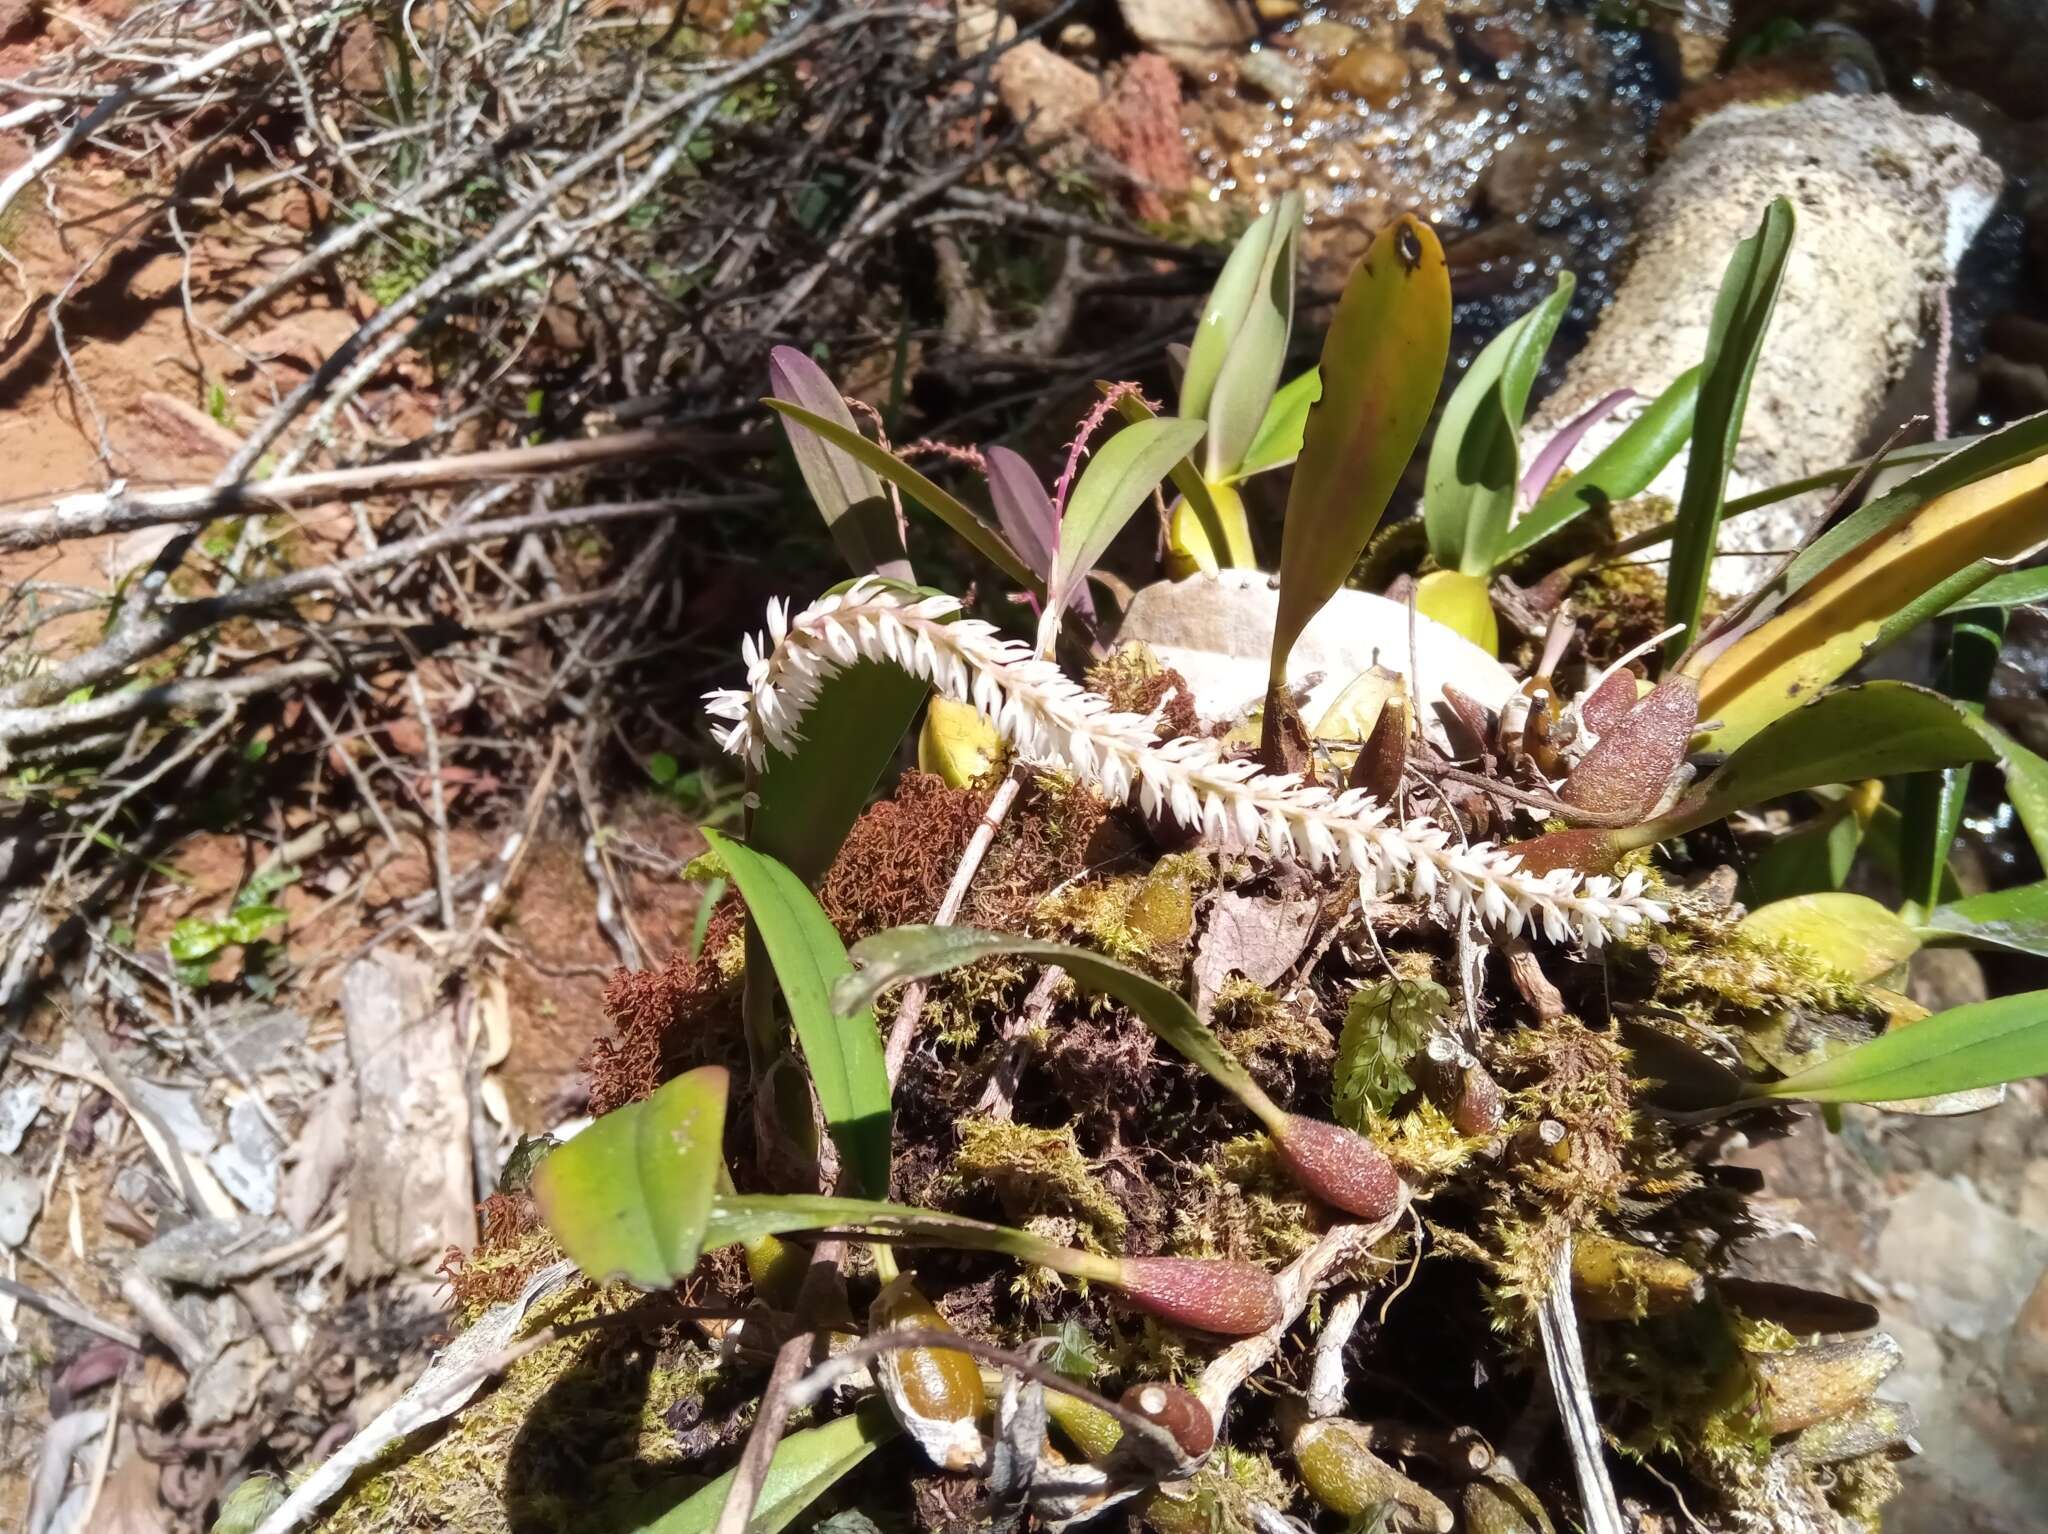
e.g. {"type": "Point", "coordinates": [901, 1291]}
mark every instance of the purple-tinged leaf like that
{"type": "Point", "coordinates": [849, 495]}
{"type": "Point", "coordinates": [1028, 517]}
{"type": "Point", "coordinates": [1544, 466]}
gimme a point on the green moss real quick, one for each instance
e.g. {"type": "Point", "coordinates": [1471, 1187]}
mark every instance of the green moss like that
{"type": "Point", "coordinates": [1144, 919]}
{"type": "Point", "coordinates": [1243, 1205]}
{"type": "Point", "coordinates": [580, 1419]}
{"type": "Point", "coordinates": [1038, 1172]}
{"type": "Point", "coordinates": [1219, 1498]}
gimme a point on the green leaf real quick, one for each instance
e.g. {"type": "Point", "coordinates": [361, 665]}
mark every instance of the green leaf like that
{"type": "Point", "coordinates": [809, 799]}
{"type": "Point", "coordinates": [947, 508]}
{"type": "Point", "coordinates": [904, 954]}
{"type": "Point", "coordinates": [1872, 730]}
{"type": "Point", "coordinates": [846, 492]}
{"type": "Point", "coordinates": [806, 1466]}
{"type": "Point", "coordinates": [1983, 1044]}
{"type": "Point", "coordinates": [843, 1052]}
{"type": "Point", "coordinates": [1804, 861]}
{"type": "Point", "coordinates": [628, 1197]}
{"type": "Point", "coordinates": [1932, 802]}
{"type": "Point", "coordinates": [1115, 484]}
{"type": "Point", "coordinates": [1383, 361]}
{"type": "Point", "coordinates": [1241, 342]}
{"type": "Point", "coordinates": [1620, 471]}
{"type": "Point", "coordinates": [663, 768]}
{"type": "Point", "coordinates": [2013, 919]}
{"type": "Point", "coordinates": [1278, 442]}
{"type": "Point", "coordinates": [1742, 314]}
{"type": "Point", "coordinates": [1223, 532]}
{"type": "Point", "coordinates": [1851, 934]}
{"type": "Point", "coordinates": [2020, 588]}
{"type": "Point", "coordinates": [197, 937]}
{"type": "Point", "coordinates": [246, 924]}
{"type": "Point", "coordinates": [1475, 462]}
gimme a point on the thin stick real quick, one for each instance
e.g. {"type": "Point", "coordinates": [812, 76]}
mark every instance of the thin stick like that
{"type": "Point", "coordinates": [904, 1028]}
{"type": "Point", "coordinates": [1559, 1323]}
{"type": "Point", "coordinates": [64, 1310]}
{"type": "Point", "coordinates": [92, 513]}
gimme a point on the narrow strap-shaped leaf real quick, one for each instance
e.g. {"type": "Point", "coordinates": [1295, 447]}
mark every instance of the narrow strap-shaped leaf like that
{"type": "Point", "coordinates": [1622, 469]}
{"type": "Point", "coordinates": [1735, 339]}
{"type": "Point", "coordinates": [2012, 919]}
{"type": "Point", "coordinates": [1024, 511]}
{"type": "Point", "coordinates": [1474, 463]}
{"type": "Point", "coordinates": [1383, 361]}
{"type": "Point", "coordinates": [846, 491]}
{"type": "Point", "coordinates": [629, 1196]}
{"type": "Point", "coordinates": [1932, 803]}
{"type": "Point", "coordinates": [1223, 532]}
{"type": "Point", "coordinates": [1127, 469]}
{"type": "Point", "coordinates": [903, 954]}
{"type": "Point", "coordinates": [947, 508]}
{"type": "Point", "coordinates": [1980, 1045]}
{"type": "Point", "coordinates": [1977, 459]}
{"type": "Point", "coordinates": [2020, 588]}
{"type": "Point", "coordinates": [843, 1052]}
{"type": "Point", "coordinates": [1551, 456]}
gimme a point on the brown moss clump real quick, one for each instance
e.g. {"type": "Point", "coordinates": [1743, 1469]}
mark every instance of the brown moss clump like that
{"type": "Point", "coordinates": [669, 1019]}
{"type": "Point", "coordinates": [512, 1246]}
{"type": "Point", "coordinates": [1057, 829]}
{"type": "Point", "coordinates": [895, 864]}
{"type": "Point", "coordinates": [1133, 680]}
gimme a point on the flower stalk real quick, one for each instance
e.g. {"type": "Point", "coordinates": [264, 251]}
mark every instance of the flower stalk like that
{"type": "Point", "coordinates": [1047, 718]}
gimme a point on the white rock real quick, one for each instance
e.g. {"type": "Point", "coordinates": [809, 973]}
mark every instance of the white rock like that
{"type": "Point", "coordinates": [1886, 202]}
{"type": "Point", "coordinates": [1217, 632]}
{"type": "Point", "coordinates": [21, 1200]}
{"type": "Point", "coordinates": [19, 1105]}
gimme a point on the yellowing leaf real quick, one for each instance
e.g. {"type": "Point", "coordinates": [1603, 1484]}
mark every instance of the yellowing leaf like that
{"type": "Point", "coordinates": [957, 743]}
{"type": "Point", "coordinates": [1460, 603]}
{"type": "Point", "coordinates": [628, 1197]}
{"type": "Point", "coordinates": [1829, 623]}
{"type": "Point", "coordinates": [1383, 361]}
{"type": "Point", "coordinates": [1851, 934]}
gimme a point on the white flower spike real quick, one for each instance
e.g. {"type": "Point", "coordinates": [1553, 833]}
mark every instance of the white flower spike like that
{"type": "Point", "coordinates": [1047, 718]}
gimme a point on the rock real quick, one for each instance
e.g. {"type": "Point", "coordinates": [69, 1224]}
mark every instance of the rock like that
{"type": "Point", "coordinates": [1946, 977]}
{"type": "Point", "coordinates": [1967, 1265]}
{"type": "Point", "coordinates": [19, 1105]}
{"type": "Point", "coordinates": [1078, 37]}
{"type": "Point", "coordinates": [1324, 39]}
{"type": "Point", "coordinates": [1271, 71]}
{"type": "Point", "coordinates": [2026, 1354]}
{"type": "Point", "coordinates": [1887, 201]}
{"type": "Point", "coordinates": [1217, 632]}
{"type": "Point", "coordinates": [980, 26]}
{"type": "Point", "coordinates": [1048, 94]}
{"type": "Point", "coordinates": [1377, 76]}
{"type": "Point", "coordinates": [21, 1200]}
{"type": "Point", "coordinates": [1139, 128]}
{"type": "Point", "coordinates": [1199, 37]}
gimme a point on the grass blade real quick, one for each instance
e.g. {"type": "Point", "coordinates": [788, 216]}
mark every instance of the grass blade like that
{"type": "Point", "coordinates": [1742, 314]}
{"type": "Point", "coordinates": [629, 1196]}
{"type": "Point", "coordinates": [947, 508]}
{"type": "Point", "coordinates": [2021, 588]}
{"type": "Point", "coordinates": [1624, 468]}
{"type": "Point", "coordinates": [843, 1052]}
{"type": "Point", "coordinates": [1983, 1044]}
{"type": "Point", "coordinates": [1383, 362]}
{"type": "Point", "coordinates": [806, 1466]}
{"type": "Point", "coordinates": [1931, 805]}
{"type": "Point", "coordinates": [1475, 462]}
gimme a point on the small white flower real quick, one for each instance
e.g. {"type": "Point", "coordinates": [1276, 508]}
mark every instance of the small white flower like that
{"type": "Point", "coordinates": [1046, 718]}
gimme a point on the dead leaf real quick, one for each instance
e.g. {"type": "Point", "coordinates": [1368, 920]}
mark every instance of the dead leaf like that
{"type": "Point", "coordinates": [1257, 936]}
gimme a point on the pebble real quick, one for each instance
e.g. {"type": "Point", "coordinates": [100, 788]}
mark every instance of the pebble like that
{"type": "Point", "coordinates": [1377, 76]}
{"type": "Point", "coordinates": [1268, 71]}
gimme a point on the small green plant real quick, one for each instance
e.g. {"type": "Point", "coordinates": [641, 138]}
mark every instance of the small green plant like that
{"type": "Point", "coordinates": [197, 942]}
